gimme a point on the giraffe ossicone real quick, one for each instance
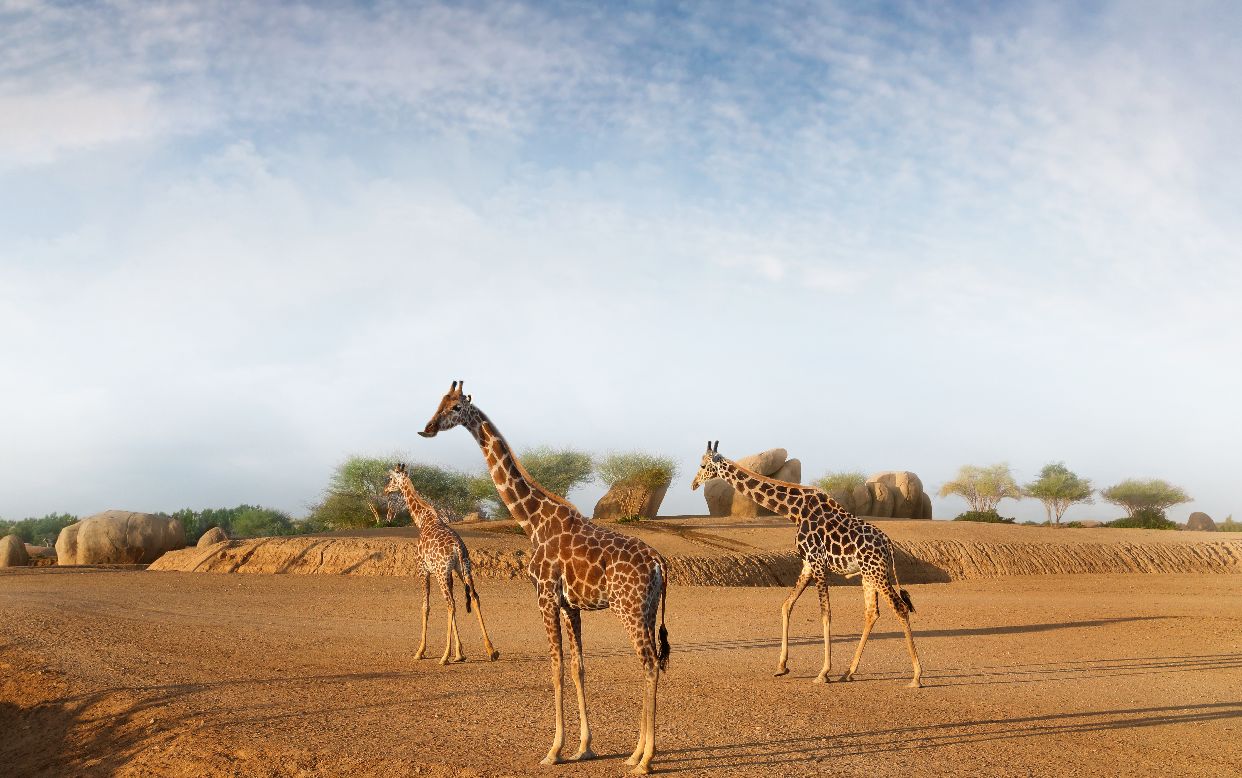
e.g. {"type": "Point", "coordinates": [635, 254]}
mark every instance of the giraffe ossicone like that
{"type": "Point", "coordinates": [576, 565]}
{"type": "Point", "coordinates": [830, 540]}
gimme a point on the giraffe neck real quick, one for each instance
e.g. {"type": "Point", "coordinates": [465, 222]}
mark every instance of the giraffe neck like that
{"type": "Point", "coordinates": [777, 496]}
{"type": "Point", "coordinates": [421, 511]}
{"type": "Point", "coordinates": [520, 493]}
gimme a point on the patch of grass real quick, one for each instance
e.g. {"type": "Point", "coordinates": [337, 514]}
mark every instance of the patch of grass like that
{"type": "Point", "coordinates": [986, 517]}
{"type": "Point", "coordinates": [631, 519]}
{"type": "Point", "coordinates": [1229, 525]}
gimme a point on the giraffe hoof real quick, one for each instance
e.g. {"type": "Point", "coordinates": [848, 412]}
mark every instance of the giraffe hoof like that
{"type": "Point", "coordinates": [633, 760]}
{"type": "Point", "coordinates": [821, 679]}
{"type": "Point", "coordinates": [460, 659]}
{"type": "Point", "coordinates": [582, 755]}
{"type": "Point", "coordinates": [846, 677]}
{"type": "Point", "coordinates": [640, 769]}
{"type": "Point", "coordinates": [915, 684]}
{"type": "Point", "coordinates": [494, 655]}
{"type": "Point", "coordinates": [780, 672]}
{"type": "Point", "coordinates": [550, 760]}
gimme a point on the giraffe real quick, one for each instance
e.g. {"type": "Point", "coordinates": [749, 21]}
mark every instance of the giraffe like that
{"type": "Point", "coordinates": [830, 540]}
{"type": "Point", "coordinates": [441, 553]}
{"type": "Point", "coordinates": [575, 565]}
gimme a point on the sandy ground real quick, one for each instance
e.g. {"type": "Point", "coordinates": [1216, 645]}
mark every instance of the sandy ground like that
{"type": "Point", "coordinates": [141, 673]}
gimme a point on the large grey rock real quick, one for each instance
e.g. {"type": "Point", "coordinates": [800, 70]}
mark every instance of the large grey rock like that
{"type": "Point", "coordinates": [719, 496]}
{"type": "Point", "coordinates": [906, 489]}
{"type": "Point", "coordinates": [627, 500]}
{"type": "Point", "coordinates": [791, 471]}
{"type": "Point", "coordinates": [13, 552]}
{"type": "Point", "coordinates": [118, 537]}
{"type": "Point", "coordinates": [883, 497]}
{"type": "Point", "coordinates": [211, 537]}
{"type": "Point", "coordinates": [765, 462]}
{"type": "Point", "coordinates": [925, 507]}
{"type": "Point", "coordinates": [1201, 522]}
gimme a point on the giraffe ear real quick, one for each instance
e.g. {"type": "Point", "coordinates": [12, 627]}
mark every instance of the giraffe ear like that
{"type": "Point", "coordinates": [470, 398]}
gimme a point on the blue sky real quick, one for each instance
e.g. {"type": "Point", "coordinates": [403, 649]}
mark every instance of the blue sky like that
{"type": "Point", "coordinates": [238, 244]}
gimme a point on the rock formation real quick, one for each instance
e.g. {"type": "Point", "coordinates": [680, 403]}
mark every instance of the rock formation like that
{"type": "Point", "coordinates": [892, 494]}
{"type": "Point", "coordinates": [625, 500]}
{"type": "Point", "coordinates": [118, 538]}
{"type": "Point", "coordinates": [1201, 522]}
{"type": "Point", "coordinates": [722, 500]}
{"type": "Point", "coordinates": [13, 552]}
{"type": "Point", "coordinates": [211, 537]}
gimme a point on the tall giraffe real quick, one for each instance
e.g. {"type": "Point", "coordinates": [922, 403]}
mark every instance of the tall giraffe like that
{"type": "Point", "coordinates": [830, 540]}
{"type": "Point", "coordinates": [576, 565]}
{"type": "Point", "coordinates": [441, 553]}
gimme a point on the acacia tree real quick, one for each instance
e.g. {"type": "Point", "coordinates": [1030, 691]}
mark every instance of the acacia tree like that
{"type": "Point", "coordinates": [1153, 494]}
{"type": "Point", "coordinates": [1058, 488]}
{"type": "Point", "coordinates": [556, 469]}
{"type": "Point", "coordinates": [983, 487]}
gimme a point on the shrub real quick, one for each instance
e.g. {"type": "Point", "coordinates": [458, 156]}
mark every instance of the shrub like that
{"type": "Point", "coordinates": [1074, 524]}
{"type": "Point", "coordinates": [842, 481]}
{"type": "Point", "coordinates": [1135, 495]}
{"type": "Point", "coordinates": [1229, 525]}
{"type": "Point", "coordinates": [556, 469]}
{"type": "Point", "coordinates": [1144, 518]}
{"type": "Point", "coordinates": [983, 487]}
{"type": "Point", "coordinates": [637, 468]}
{"type": "Point", "coordinates": [262, 522]}
{"type": "Point", "coordinates": [987, 517]}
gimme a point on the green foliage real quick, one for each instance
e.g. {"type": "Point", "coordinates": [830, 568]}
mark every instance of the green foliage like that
{"type": "Point", "coordinates": [987, 517]}
{"type": "Point", "coordinates": [261, 522]}
{"type": "Point", "coordinates": [637, 468]}
{"type": "Point", "coordinates": [1058, 488]}
{"type": "Point", "coordinates": [1074, 524]}
{"type": "Point", "coordinates": [355, 495]}
{"type": "Point", "coordinates": [38, 532]}
{"type": "Point", "coordinates": [1137, 494]}
{"type": "Point", "coordinates": [983, 487]}
{"type": "Point", "coordinates": [630, 519]}
{"type": "Point", "coordinates": [340, 511]}
{"type": "Point", "coordinates": [1229, 525]}
{"type": "Point", "coordinates": [840, 481]}
{"type": "Point", "coordinates": [453, 493]}
{"type": "Point", "coordinates": [558, 469]}
{"type": "Point", "coordinates": [1144, 518]}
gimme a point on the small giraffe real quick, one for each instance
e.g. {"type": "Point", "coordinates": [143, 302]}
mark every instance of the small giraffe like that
{"type": "Point", "coordinates": [576, 565]}
{"type": "Point", "coordinates": [830, 540]}
{"type": "Point", "coordinates": [442, 553]}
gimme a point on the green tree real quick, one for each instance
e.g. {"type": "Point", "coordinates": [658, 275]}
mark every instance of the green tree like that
{"type": "Point", "coordinates": [1135, 495]}
{"type": "Point", "coordinates": [41, 531]}
{"type": "Point", "coordinates": [252, 522]}
{"type": "Point", "coordinates": [355, 493]}
{"type": "Point", "coordinates": [1058, 488]}
{"type": "Point", "coordinates": [556, 469]}
{"type": "Point", "coordinates": [637, 473]}
{"type": "Point", "coordinates": [983, 487]}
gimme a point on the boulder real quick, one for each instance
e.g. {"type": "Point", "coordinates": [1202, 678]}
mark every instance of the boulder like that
{"type": "Point", "coordinates": [766, 462]}
{"type": "Point", "coordinates": [791, 471]}
{"type": "Point", "coordinates": [883, 497]}
{"type": "Point", "coordinates": [13, 552]}
{"type": "Point", "coordinates": [1200, 522]}
{"type": "Point", "coordinates": [719, 496]}
{"type": "Point", "coordinates": [860, 503]}
{"type": "Point", "coordinates": [625, 500]}
{"type": "Point", "coordinates": [211, 537]}
{"type": "Point", "coordinates": [906, 489]}
{"type": "Point", "coordinates": [925, 507]}
{"type": "Point", "coordinates": [118, 537]}
{"type": "Point", "coordinates": [472, 518]}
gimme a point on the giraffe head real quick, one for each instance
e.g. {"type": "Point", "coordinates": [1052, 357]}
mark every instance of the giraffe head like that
{"type": "Point", "coordinates": [452, 411]}
{"type": "Point", "coordinates": [709, 467]}
{"type": "Point", "coordinates": [395, 476]}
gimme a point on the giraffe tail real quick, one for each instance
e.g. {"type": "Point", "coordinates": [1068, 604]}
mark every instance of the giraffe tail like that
{"type": "Point", "coordinates": [902, 593]}
{"type": "Point", "coordinates": [665, 648]}
{"type": "Point", "coordinates": [467, 579]}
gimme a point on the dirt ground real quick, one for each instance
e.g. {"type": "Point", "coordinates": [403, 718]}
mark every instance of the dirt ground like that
{"type": "Point", "coordinates": [146, 673]}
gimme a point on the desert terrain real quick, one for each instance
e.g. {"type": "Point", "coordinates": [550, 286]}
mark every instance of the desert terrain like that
{"type": "Point", "coordinates": [1071, 673]}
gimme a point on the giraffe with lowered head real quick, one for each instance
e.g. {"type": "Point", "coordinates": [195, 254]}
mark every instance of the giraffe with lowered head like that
{"type": "Point", "coordinates": [576, 565]}
{"type": "Point", "coordinates": [441, 553]}
{"type": "Point", "coordinates": [830, 540]}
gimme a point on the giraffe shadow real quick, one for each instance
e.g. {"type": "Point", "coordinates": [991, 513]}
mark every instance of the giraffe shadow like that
{"type": "Point", "coordinates": [790, 751]}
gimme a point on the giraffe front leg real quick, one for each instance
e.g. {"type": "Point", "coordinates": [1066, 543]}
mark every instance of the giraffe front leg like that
{"type": "Point", "coordinates": [825, 615]}
{"type": "Point", "coordinates": [450, 629]}
{"type": "Point", "coordinates": [573, 620]}
{"type": "Point", "coordinates": [786, 609]}
{"type": "Point", "coordinates": [870, 598]}
{"type": "Point", "coordinates": [551, 622]}
{"type": "Point", "coordinates": [422, 643]}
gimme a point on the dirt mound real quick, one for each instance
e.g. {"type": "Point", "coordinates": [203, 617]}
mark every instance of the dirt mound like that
{"type": "Point", "coordinates": [706, 562]}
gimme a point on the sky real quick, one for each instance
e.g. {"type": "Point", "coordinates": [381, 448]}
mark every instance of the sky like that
{"type": "Point", "coordinates": [240, 242]}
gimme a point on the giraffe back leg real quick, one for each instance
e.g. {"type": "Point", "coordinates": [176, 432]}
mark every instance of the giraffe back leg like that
{"type": "Point", "coordinates": [572, 618]}
{"type": "Point", "coordinates": [900, 606]}
{"type": "Point", "coordinates": [446, 588]}
{"type": "Point", "coordinates": [639, 617]}
{"type": "Point", "coordinates": [787, 608]}
{"type": "Point", "coordinates": [870, 603]}
{"type": "Point", "coordinates": [549, 607]}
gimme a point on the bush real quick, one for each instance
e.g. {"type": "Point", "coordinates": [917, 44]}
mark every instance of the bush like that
{"type": "Point", "coordinates": [556, 469]}
{"type": "Point", "coordinates": [1144, 518]}
{"type": "Point", "coordinates": [1151, 494]}
{"type": "Point", "coordinates": [1229, 525]}
{"type": "Point", "coordinates": [987, 517]}
{"type": "Point", "coordinates": [262, 522]}
{"type": "Point", "coordinates": [843, 481]}
{"type": "Point", "coordinates": [637, 468]}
